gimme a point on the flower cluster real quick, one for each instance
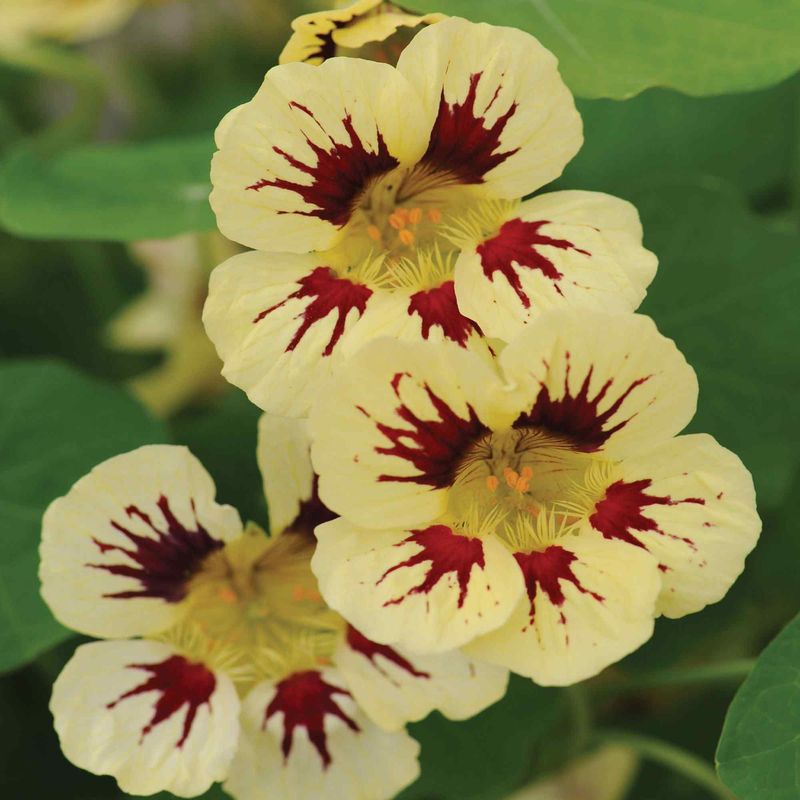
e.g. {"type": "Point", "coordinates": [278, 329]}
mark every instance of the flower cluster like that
{"type": "Point", "coordinates": [471, 445]}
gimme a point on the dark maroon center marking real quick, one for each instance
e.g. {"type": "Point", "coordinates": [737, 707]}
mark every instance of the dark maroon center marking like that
{"type": "Point", "coordinates": [578, 417]}
{"type": "Point", "coordinates": [447, 553]}
{"type": "Point", "coordinates": [460, 144]}
{"type": "Point", "coordinates": [305, 699]}
{"type": "Point", "coordinates": [312, 512]}
{"type": "Point", "coordinates": [338, 176]}
{"type": "Point", "coordinates": [328, 294]}
{"type": "Point", "coordinates": [180, 683]}
{"type": "Point", "coordinates": [435, 447]}
{"type": "Point", "coordinates": [619, 513]}
{"type": "Point", "coordinates": [516, 243]}
{"type": "Point", "coordinates": [547, 570]}
{"type": "Point", "coordinates": [372, 650]}
{"type": "Point", "coordinates": [164, 563]}
{"type": "Point", "coordinates": [439, 307]}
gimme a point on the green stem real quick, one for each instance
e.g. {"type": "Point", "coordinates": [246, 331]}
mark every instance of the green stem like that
{"type": "Point", "coordinates": [578, 698]}
{"type": "Point", "coordinates": [675, 758]}
{"type": "Point", "coordinates": [733, 671]}
{"type": "Point", "coordinates": [59, 63]}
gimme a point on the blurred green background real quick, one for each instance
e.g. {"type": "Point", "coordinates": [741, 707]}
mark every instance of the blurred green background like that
{"type": "Point", "coordinates": [691, 111]}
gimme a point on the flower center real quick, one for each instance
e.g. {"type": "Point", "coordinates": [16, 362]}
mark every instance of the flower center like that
{"type": "Point", "coordinates": [254, 609]}
{"type": "Point", "coordinates": [419, 218]}
{"type": "Point", "coordinates": [527, 486]}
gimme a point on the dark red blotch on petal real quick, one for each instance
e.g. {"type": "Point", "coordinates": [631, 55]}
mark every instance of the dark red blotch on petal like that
{"type": "Point", "coordinates": [305, 699]}
{"type": "Point", "coordinates": [460, 144]}
{"type": "Point", "coordinates": [547, 570]}
{"type": "Point", "coordinates": [577, 417]}
{"type": "Point", "coordinates": [312, 512]}
{"type": "Point", "coordinates": [439, 306]}
{"type": "Point", "coordinates": [619, 513]}
{"type": "Point", "coordinates": [434, 446]}
{"type": "Point", "coordinates": [164, 563]}
{"type": "Point", "coordinates": [328, 294]}
{"type": "Point", "coordinates": [447, 553]}
{"type": "Point", "coordinates": [180, 683]}
{"type": "Point", "coordinates": [516, 243]}
{"type": "Point", "coordinates": [338, 176]}
{"type": "Point", "coordinates": [372, 650]}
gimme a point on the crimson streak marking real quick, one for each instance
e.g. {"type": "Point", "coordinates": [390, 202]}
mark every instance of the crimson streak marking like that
{"type": "Point", "coordinates": [460, 145]}
{"type": "Point", "coordinates": [339, 175]}
{"type": "Point", "coordinates": [546, 570]}
{"type": "Point", "coordinates": [516, 243]}
{"type": "Point", "coordinates": [164, 564]}
{"type": "Point", "coordinates": [372, 650]}
{"type": "Point", "coordinates": [578, 416]}
{"type": "Point", "coordinates": [439, 307]}
{"type": "Point", "coordinates": [329, 293]}
{"type": "Point", "coordinates": [180, 683]}
{"type": "Point", "coordinates": [305, 699]}
{"type": "Point", "coordinates": [620, 512]}
{"type": "Point", "coordinates": [434, 446]}
{"type": "Point", "coordinates": [447, 553]}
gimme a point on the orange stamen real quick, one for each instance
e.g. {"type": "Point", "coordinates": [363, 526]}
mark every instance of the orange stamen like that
{"type": "Point", "coordinates": [406, 237]}
{"type": "Point", "coordinates": [434, 215]}
{"type": "Point", "coordinates": [415, 216]}
{"type": "Point", "coordinates": [398, 220]}
{"type": "Point", "coordinates": [492, 481]}
{"type": "Point", "coordinates": [511, 477]}
{"type": "Point", "coordinates": [524, 481]}
{"type": "Point", "coordinates": [374, 233]}
{"type": "Point", "coordinates": [227, 595]}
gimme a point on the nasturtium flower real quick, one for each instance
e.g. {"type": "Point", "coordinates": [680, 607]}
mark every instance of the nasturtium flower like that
{"type": "Point", "coordinates": [167, 316]}
{"type": "Point", "coordinates": [374, 29]}
{"type": "Point", "coordinates": [395, 194]}
{"type": "Point", "coordinates": [223, 661]}
{"type": "Point", "coordinates": [23, 21]}
{"type": "Point", "coordinates": [539, 511]}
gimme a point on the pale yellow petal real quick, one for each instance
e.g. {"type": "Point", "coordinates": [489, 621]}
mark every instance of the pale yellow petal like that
{"type": "Point", "coordinates": [140, 712]}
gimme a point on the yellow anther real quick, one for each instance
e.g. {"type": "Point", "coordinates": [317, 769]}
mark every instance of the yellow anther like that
{"type": "Point", "coordinates": [398, 220]}
{"type": "Point", "coordinates": [406, 237]}
{"type": "Point", "coordinates": [434, 215]}
{"type": "Point", "coordinates": [374, 233]}
{"type": "Point", "coordinates": [492, 481]}
{"type": "Point", "coordinates": [415, 216]}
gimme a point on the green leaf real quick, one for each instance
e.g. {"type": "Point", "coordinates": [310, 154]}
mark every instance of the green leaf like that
{"type": "Point", "coordinates": [726, 291]}
{"type": "Point", "coordinates": [759, 750]}
{"type": "Point", "coordinates": [224, 438]}
{"type": "Point", "coordinates": [55, 425]}
{"type": "Point", "coordinates": [663, 132]}
{"type": "Point", "coordinates": [488, 756]}
{"type": "Point", "coordinates": [617, 48]}
{"type": "Point", "coordinates": [109, 192]}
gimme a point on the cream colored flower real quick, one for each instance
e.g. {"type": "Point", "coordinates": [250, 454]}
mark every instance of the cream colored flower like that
{"type": "Point", "coordinates": [374, 29]}
{"type": "Point", "coordinates": [167, 316]}
{"type": "Point", "coordinates": [70, 20]}
{"type": "Point", "coordinates": [539, 511]}
{"type": "Point", "coordinates": [395, 192]}
{"type": "Point", "coordinates": [606, 774]}
{"type": "Point", "coordinates": [223, 662]}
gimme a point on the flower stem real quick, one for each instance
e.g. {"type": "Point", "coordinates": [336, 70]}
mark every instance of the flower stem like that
{"type": "Point", "coordinates": [733, 671]}
{"type": "Point", "coordinates": [60, 63]}
{"type": "Point", "coordinates": [581, 713]}
{"type": "Point", "coordinates": [675, 758]}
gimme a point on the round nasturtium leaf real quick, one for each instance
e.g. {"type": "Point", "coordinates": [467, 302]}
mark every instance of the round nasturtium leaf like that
{"type": "Point", "coordinates": [617, 48]}
{"type": "Point", "coordinates": [759, 750]}
{"type": "Point", "coordinates": [55, 425]}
